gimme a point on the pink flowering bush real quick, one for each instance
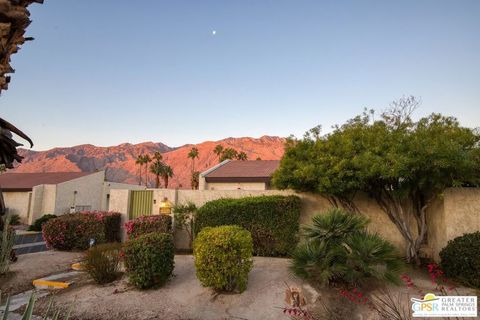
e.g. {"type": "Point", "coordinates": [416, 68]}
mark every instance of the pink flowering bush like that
{"type": "Point", "coordinates": [112, 222]}
{"type": "Point", "coordinates": [73, 231]}
{"type": "Point", "coordinates": [147, 224]}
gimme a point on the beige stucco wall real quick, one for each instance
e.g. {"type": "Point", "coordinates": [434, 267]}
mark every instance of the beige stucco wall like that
{"type": "Point", "coordinates": [18, 203]}
{"type": "Point", "coordinates": [311, 205]}
{"type": "Point", "coordinates": [234, 186]}
{"type": "Point", "coordinates": [455, 213]}
{"type": "Point", "coordinates": [108, 186]}
{"type": "Point", "coordinates": [43, 201]}
{"type": "Point", "coordinates": [89, 191]}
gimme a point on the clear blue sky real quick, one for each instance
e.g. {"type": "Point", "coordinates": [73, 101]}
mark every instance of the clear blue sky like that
{"type": "Point", "coordinates": [107, 72]}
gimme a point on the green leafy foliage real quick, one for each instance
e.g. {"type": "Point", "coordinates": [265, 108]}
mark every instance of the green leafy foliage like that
{"type": "Point", "coordinates": [272, 220]}
{"type": "Point", "coordinates": [73, 231]}
{"type": "Point", "coordinates": [112, 222]}
{"type": "Point", "coordinates": [37, 225]}
{"type": "Point", "coordinates": [15, 220]}
{"type": "Point", "coordinates": [184, 217]}
{"type": "Point", "coordinates": [223, 257]}
{"type": "Point", "coordinates": [149, 259]}
{"type": "Point", "coordinates": [460, 259]}
{"type": "Point", "coordinates": [338, 249]}
{"type": "Point", "coordinates": [147, 224]}
{"type": "Point", "coordinates": [102, 262]}
{"type": "Point", "coordinates": [401, 163]}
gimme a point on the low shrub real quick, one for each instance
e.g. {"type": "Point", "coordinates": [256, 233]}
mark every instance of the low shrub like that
{"type": "Point", "coordinates": [37, 225]}
{"type": "Point", "coordinates": [271, 220]}
{"type": "Point", "coordinates": [73, 231]}
{"type": "Point", "coordinates": [147, 224]}
{"type": "Point", "coordinates": [149, 259]}
{"type": "Point", "coordinates": [223, 257]}
{"type": "Point", "coordinates": [112, 222]}
{"type": "Point", "coordinates": [15, 220]}
{"type": "Point", "coordinates": [460, 259]}
{"type": "Point", "coordinates": [102, 262]}
{"type": "Point", "coordinates": [338, 249]}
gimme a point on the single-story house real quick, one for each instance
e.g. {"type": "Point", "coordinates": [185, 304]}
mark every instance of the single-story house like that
{"type": "Point", "coordinates": [239, 175]}
{"type": "Point", "coordinates": [31, 195]}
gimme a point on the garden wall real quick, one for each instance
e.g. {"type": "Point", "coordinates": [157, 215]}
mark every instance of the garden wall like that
{"type": "Point", "coordinates": [455, 213]}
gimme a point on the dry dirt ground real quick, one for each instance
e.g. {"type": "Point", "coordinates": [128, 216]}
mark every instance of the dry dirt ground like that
{"type": "Point", "coordinates": [184, 298]}
{"type": "Point", "coordinates": [33, 266]}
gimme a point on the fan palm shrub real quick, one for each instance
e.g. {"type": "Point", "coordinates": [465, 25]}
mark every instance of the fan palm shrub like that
{"type": "Point", "coordinates": [338, 249]}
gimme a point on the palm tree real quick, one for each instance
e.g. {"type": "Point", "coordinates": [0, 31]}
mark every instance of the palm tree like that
{"type": "Point", "coordinates": [139, 162]}
{"type": "Point", "coordinates": [242, 156]}
{"type": "Point", "coordinates": [167, 172]}
{"type": "Point", "coordinates": [157, 156]}
{"type": "Point", "coordinates": [195, 180]}
{"type": "Point", "coordinates": [157, 169]}
{"type": "Point", "coordinates": [218, 150]}
{"type": "Point", "coordinates": [192, 155]}
{"type": "Point", "coordinates": [228, 153]}
{"type": "Point", "coordinates": [146, 161]}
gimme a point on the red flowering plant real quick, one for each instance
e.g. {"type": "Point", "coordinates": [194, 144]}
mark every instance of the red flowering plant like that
{"type": "Point", "coordinates": [73, 232]}
{"type": "Point", "coordinates": [392, 306]}
{"type": "Point", "coordinates": [112, 222]}
{"type": "Point", "coordinates": [147, 224]}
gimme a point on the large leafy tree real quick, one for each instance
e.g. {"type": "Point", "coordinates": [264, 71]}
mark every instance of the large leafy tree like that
{"type": "Point", "coordinates": [401, 163]}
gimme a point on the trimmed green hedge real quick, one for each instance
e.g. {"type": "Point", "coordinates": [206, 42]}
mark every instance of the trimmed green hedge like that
{"type": "Point", "coordinates": [461, 259]}
{"type": "Point", "coordinates": [223, 258]}
{"type": "Point", "coordinates": [149, 259]}
{"type": "Point", "coordinates": [272, 221]}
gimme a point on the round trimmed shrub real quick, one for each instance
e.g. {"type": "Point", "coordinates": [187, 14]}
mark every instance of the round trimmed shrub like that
{"type": "Point", "coordinates": [37, 225]}
{"type": "Point", "coordinates": [223, 257]}
{"type": "Point", "coordinates": [148, 224]}
{"type": "Point", "coordinates": [149, 259]}
{"type": "Point", "coordinates": [73, 231]}
{"type": "Point", "coordinates": [102, 262]}
{"type": "Point", "coordinates": [460, 259]}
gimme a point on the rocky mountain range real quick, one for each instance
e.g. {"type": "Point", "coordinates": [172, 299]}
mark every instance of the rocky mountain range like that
{"type": "Point", "coordinates": [119, 161]}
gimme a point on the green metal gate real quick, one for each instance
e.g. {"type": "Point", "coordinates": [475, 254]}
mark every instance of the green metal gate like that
{"type": "Point", "coordinates": [141, 203]}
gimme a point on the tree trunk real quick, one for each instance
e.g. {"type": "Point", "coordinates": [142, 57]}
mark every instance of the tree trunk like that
{"type": "Point", "coordinates": [157, 181]}
{"type": "Point", "coordinates": [146, 175]}
{"type": "Point", "coordinates": [394, 210]}
{"type": "Point", "coordinates": [165, 181]}
{"type": "Point", "coordinates": [140, 175]}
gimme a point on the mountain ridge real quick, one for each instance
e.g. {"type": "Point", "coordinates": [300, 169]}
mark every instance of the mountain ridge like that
{"type": "Point", "coordinates": [119, 160]}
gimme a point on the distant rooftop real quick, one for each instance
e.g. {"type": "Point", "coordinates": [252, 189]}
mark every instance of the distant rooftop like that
{"type": "Point", "coordinates": [238, 171]}
{"type": "Point", "coordinates": [26, 181]}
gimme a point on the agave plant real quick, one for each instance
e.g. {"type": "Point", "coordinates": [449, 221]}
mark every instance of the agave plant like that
{"type": "Point", "coordinates": [28, 313]}
{"type": "Point", "coordinates": [338, 249]}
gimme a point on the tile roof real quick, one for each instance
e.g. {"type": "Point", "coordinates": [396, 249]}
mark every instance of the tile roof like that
{"type": "Point", "coordinates": [26, 181]}
{"type": "Point", "coordinates": [252, 170]}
